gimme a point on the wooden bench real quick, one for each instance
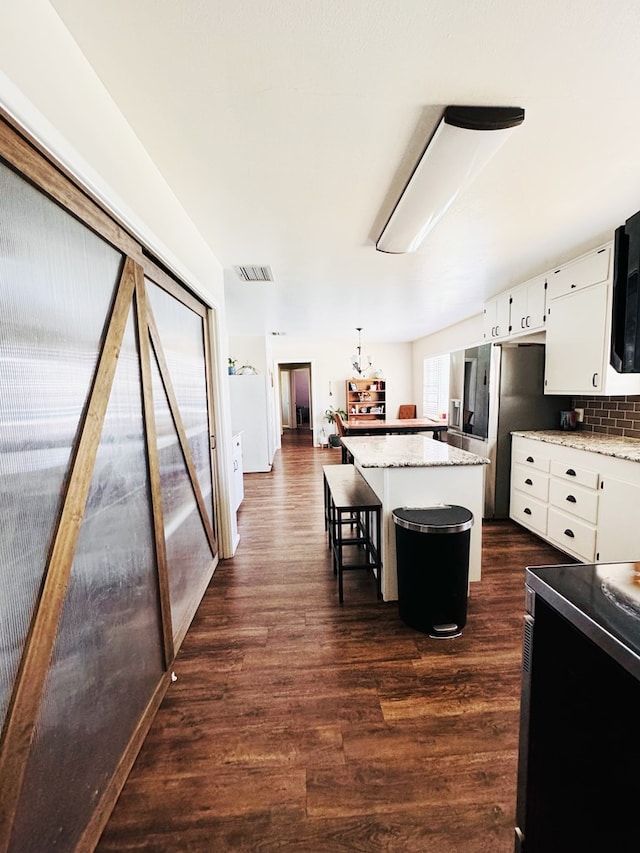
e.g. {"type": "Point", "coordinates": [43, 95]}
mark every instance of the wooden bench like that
{"type": "Point", "coordinates": [352, 519]}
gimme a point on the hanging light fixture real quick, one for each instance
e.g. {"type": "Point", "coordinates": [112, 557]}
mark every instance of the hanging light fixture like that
{"type": "Point", "coordinates": [463, 143]}
{"type": "Point", "coordinates": [359, 363]}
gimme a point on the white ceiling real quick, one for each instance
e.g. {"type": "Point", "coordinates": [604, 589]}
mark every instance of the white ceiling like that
{"type": "Point", "coordinates": [287, 129]}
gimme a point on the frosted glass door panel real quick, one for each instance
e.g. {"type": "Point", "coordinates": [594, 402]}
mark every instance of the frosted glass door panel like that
{"type": "Point", "coordinates": [57, 281]}
{"type": "Point", "coordinates": [182, 335]}
{"type": "Point", "coordinates": [108, 657]}
{"type": "Point", "coordinates": [188, 551]}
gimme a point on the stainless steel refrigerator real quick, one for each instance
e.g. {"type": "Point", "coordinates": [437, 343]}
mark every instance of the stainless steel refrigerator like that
{"type": "Point", "coordinates": [495, 389]}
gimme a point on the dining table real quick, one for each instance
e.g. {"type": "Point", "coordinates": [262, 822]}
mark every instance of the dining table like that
{"type": "Point", "coordinates": [393, 426]}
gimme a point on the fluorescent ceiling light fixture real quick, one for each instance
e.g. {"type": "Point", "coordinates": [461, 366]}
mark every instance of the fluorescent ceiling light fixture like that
{"type": "Point", "coordinates": [463, 143]}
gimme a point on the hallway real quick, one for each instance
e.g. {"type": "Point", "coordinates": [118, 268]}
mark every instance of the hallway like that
{"type": "Point", "coordinates": [300, 726]}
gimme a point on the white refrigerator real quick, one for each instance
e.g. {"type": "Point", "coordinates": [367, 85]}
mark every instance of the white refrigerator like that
{"type": "Point", "coordinates": [252, 414]}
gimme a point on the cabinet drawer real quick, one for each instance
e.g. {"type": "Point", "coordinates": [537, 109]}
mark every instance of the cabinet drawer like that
{"type": "Point", "coordinates": [591, 269]}
{"type": "Point", "coordinates": [581, 476]}
{"type": "Point", "coordinates": [531, 459]}
{"type": "Point", "coordinates": [574, 499]}
{"type": "Point", "coordinates": [572, 535]}
{"type": "Point", "coordinates": [529, 511]}
{"type": "Point", "coordinates": [530, 482]}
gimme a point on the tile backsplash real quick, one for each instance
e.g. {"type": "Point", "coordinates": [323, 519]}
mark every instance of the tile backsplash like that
{"type": "Point", "coordinates": [611, 415]}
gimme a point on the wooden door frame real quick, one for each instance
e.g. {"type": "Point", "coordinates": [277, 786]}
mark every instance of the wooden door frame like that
{"type": "Point", "coordinates": [290, 364]}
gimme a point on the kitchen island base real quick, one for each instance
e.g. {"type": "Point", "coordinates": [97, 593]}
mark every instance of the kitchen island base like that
{"type": "Point", "coordinates": [414, 471]}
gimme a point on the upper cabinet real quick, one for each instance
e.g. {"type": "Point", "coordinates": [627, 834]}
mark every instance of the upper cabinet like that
{"type": "Point", "coordinates": [572, 305]}
{"type": "Point", "coordinates": [516, 312]}
{"type": "Point", "coordinates": [496, 317]}
{"type": "Point", "coordinates": [576, 342]}
{"type": "Point", "coordinates": [527, 309]}
{"type": "Point", "coordinates": [579, 296]}
{"type": "Point", "coordinates": [583, 272]}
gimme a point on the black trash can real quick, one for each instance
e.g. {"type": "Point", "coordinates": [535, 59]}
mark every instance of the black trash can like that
{"type": "Point", "coordinates": [432, 556]}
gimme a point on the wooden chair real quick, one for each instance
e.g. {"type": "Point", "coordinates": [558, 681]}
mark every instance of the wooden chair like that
{"type": "Point", "coordinates": [408, 410]}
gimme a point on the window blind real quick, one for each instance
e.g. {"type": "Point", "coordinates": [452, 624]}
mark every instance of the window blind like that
{"type": "Point", "coordinates": [435, 398]}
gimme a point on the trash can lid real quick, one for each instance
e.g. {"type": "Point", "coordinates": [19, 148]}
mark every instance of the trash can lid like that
{"type": "Point", "coordinates": [444, 518]}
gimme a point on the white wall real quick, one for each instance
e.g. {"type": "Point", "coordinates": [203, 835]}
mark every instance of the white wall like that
{"type": "Point", "coordinates": [331, 368]}
{"type": "Point", "coordinates": [250, 350]}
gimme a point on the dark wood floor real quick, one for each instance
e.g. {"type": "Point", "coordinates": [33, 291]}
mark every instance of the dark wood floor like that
{"type": "Point", "coordinates": [301, 726]}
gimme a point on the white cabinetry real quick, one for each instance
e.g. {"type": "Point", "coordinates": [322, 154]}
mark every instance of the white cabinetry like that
{"type": "Point", "coordinates": [516, 312]}
{"type": "Point", "coordinates": [496, 317]}
{"type": "Point", "coordinates": [580, 501]}
{"type": "Point", "coordinates": [583, 272]}
{"type": "Point", "coordinates": [237, 479]}
{"type": "Point", "coordinates": [527, 308]}
{"type": "Point", "coordinates": [572, 305]}
{"type": "Point", "coordinates": [618, 531]}
{"type": "Point", "coordinates": [578, 335]}
{"type": "Point", "coordinates": [530, 485]}
{"type": "Point", "coordinates": [576, 344]}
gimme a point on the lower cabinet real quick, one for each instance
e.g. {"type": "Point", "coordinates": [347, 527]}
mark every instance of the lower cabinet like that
{"type": "Point", "coordinates": [582, 502]}
{"type": "Point", "coordinates": [618, 522]}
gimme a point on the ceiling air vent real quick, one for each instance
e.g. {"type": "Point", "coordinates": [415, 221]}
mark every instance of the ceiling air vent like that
{"type": "Point", "coordinates": [253, 272]}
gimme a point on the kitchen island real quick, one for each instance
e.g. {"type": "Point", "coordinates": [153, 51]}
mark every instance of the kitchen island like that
{"type": "Point", "coordinates": [415, 471]}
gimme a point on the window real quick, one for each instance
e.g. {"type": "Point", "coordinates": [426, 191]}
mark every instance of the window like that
{"type": "Point", "coordinates": [435, 393]}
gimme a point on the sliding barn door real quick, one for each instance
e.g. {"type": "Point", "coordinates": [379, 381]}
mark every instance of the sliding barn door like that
{"type": "Point", "coordinates": [107, 505]}
{"type": "Point", "coordinates": [181, 412]}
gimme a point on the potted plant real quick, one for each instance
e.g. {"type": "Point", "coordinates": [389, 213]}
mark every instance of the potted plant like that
{"type": "Point", "coordinates": [330, 416]}
{"type": "Point", "coordinates": [232, 365]}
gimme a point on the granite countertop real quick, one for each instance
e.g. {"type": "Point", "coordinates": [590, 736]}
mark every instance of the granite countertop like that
{"type": "Point", "coordinates": [595, 442]}
{"type": "Point", "coordinates": [407, 451]}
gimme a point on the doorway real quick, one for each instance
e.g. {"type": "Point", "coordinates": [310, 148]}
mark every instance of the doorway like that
{"type": "Point", "coordinates": [295, 396]}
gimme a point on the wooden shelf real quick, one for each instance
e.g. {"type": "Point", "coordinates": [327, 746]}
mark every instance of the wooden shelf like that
{"type": "Point", "coordinates": [366, 399]}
